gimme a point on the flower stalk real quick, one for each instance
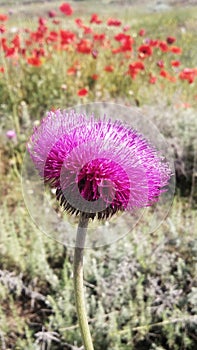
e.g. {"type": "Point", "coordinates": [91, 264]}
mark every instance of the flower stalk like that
{"type": "Point", "coordinates": [78, 283]}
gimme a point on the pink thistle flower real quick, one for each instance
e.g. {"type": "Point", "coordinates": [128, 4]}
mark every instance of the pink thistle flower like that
{"type": "Point", "coordinates": [98, 167]}
{"type": "Point", "coordinates": [11, 134]}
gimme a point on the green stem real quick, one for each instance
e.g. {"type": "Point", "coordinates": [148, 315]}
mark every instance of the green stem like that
{"type": "Point", "coordinates": [78, 283]}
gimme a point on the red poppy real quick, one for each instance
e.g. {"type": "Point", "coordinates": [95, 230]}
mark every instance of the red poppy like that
{"type": "Point", "coordinates": [66, 37]}
{"type": "Point", "coordinates": [71, 71]}
{"type": "Point", "coordinates": [175, 63]}
{"type": "Point", "coordinates": [56, 21]}
{"type": "Point", "coordinates": [87, 30]}
{"type": "Point", "coordinates": [16, 41]}
{"type": "Point", "coordinates": [152, 79]}
{"type": "Point", "coordinates": [188, 74]}
{"type": "Point", "coordinates": [52, 37]}
{"type": "Point", "coordinates": [34, 61]}
{"type": "Point", "coordinates": [52, 14]}
{"type": "Point", "coordinates": [94, 76]}
{"type": "Point", "coordinates": [42, 21]}
{"type": "Point", "coordinates": [170, 39]}
{"type": "Point", "coordinates": [82, 92]}
{"type": "Point", "coordinates": [114, 22]}
{"type": "Point", "coordinates": [153, 43]}
{"type": "Point", "coordinates": [3, 17]}
{"type": "Point", "coordinates": [10, 51]}
{"type": "Point", "coordinates": [165, 74]}
{"type": "Point", "coordinates": [142, 32]}
{"type": "Point", "coordinates": [66, 9]}
{"type": "Point", "coordinates": [95, 19]}
{"type": "Point", "coordinates": [84, 46]}
{"type": "Point", "coordinates": [99, 37]}
{"type": "Point", "coordinates": [126, 43]}
{"type": "Point", "coordinates": [109, 68]}
{"type": "Point", "coordinates": [175, 49]}
{"type": "Point", "coordinates": [145, 51]}
{"type": "Point", "coordinates": [79, 22]}
{"type": "Point", "coordinates": [2, 29]}
{"type": "Point", "coordinates": [126, 28]}
{"type": "Point", "coordinates": [163, 46]}
{"type": "Point", "coordinates": [2, 69]}
{"type": "Point", "coordinates": [134, 68]}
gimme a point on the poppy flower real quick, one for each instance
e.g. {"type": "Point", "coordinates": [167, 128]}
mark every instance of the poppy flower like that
{"type": "Point", "coordinates": [152, 79]}
{"type": "Point", "coordinates": [84, 46]}
{"type": "Point", "coordinates": [52, 14]}
{"type": "Point", "coordinates": [2, 69]}
{"type": "Point", "coordinates": [170, 40]}
{"type": "Point", "coordinates": [175, 49]}
{"type": "Point", "coordinates": [34, 61]}
{"type": "Point", "coordinates": [2, 29]}
{"type": "Point", "coordinates": [163, 46]}
{"type": "Point", "coordinates": [175, 63]}
{"type": "Point", "coordinates": [98, 167]}
{"type": "Point", "coordinates": [66, 37]}
{"type": "Point", "coordinates": [95, 19]}
{"type": "Point", "coordinates": [3, 17]}
{"type": "Point", "coordinates": [168, 76]}
{"type": "Point", "coordinates": [79, 22]}
{"type": "Point", "coordinates": [66, 9]}
{"type": "Point", "coordinates": [142, 32]}
{"type": "Point", "coordinates": [94, 76]}
{"type": "Point", "coordinates": [114, 22]}
{"type": "Point", "coordinates": [145, 51]}
{"type": "Point", "coordinates": [188, 74]}
{"type": "Point", "coordinates": [135, 68]}
{"type": "Point", "coordinates": [109, 68]}
{"type": "Point", "coordinates": [82, 92]}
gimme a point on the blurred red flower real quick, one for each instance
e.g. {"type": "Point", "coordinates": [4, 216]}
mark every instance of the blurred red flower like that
{"type": "Point", "coordinates": [52, 14]}
{"type": "Point", "coordinates": [82, 92]}
{"type": "Point", "coordinates": [2, 70]}
{"type": "Point", "coordinates": [16, 41]}
{"type": "Point", "coordinates": [152, 79]}
{"type": "Point", "coordinates": [99, 37]}
{"type": "Point", "coordinates": [114, 22]}
{"type": "Point", "coordinates": [175, 63]}
{"type": "Point", "coordinates": [3, 17]}
{"type": "Point", "coordinates": [142, 32]}
{"type": "Point", "coordinates": [175, 49]}
{"type": "Point", "coordinates": [79, 22]}
{"type": "Point", "coordinates": [66, 37]}
{"type": "Point", "coordinates": [95, 19]}
{"type": "Point", "coordinates": [2, 29]}
{"type": "Point", "coordinates": [188, 74]}
{"type": "Point", "coordinates": [145, 51]}
{"type": "Point", "coordinates": [109, 68]}
{"type": "Point", "coordinates": [71, 71]}
{"type": "Point", "coordinates": [34, 61]}
{"type": "Point", "coordinates": [135, 68]}
{"type": "Point", "coordinates": [95, 76]}
{"type": "Point", "coordinates": [165, 74]}
{"type": "Point", "coordinates": [84, 46]}
{"type": "Point", "coordinates": [163, 46]}
{"type": "Point", "coordinates": [66, 9]}
{"type": "Point", "coordinates": [170, 39]}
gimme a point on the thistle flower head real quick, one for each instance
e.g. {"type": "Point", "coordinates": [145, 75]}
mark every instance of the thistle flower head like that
{"type": "Point", "coordinates": [97, 166]}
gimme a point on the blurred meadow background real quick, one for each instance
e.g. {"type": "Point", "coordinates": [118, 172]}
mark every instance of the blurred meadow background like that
{"type": "Point", "coordinates": [141, 293]}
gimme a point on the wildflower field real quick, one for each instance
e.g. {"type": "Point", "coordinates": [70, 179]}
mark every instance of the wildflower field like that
{"type": "Point", "coordinates": [141, 291]}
